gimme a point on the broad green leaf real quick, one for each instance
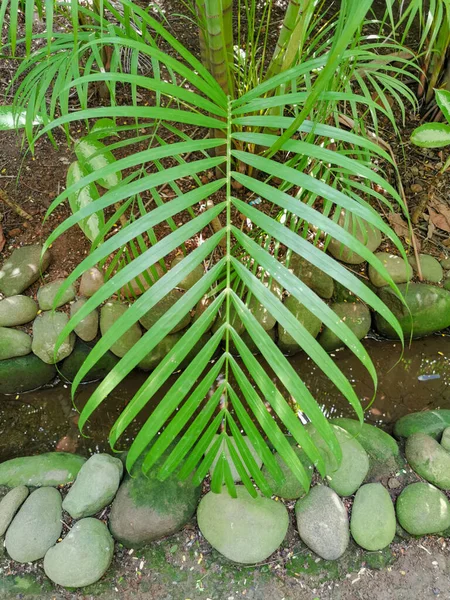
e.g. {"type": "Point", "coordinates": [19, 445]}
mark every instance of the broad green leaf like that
{"type": "Point", "coordinates": [12, 118]}
{"type": "Point", "coordinates": [91, 226]}
{"type": "Point", "coordinates": [93, 156]}
{"type": "Point", "coordinates": [443, 101]}
{"type": "Point", "coordinates": [431, 135]}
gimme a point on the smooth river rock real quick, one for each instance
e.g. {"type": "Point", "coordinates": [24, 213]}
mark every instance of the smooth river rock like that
{"type": "Point", "coordinates": [428, 459]}
{"type": "Point", "coordinates": [366, 233]}
{"type": "Point", "coordinates": [47, 294]}
{"type": "Point", "coordinates": [109, 314]}
{"type": "Point", "coordinates": [46, 330]}
{"type": "Point", "coordinates": [83, 556]}
{"type": "Point", "coordinates": [36, 527]}
{"type": "Point", "coordinates": [305, 317]}
{"type": "Point", "coordinates": [22, 269]}
{"type": "Point", "coordinates": [17, 310]}
{"type": "Point", "coordinates": [422, 509]}
{"type": "Point", "coordinates": [245, 530]}
{"type": "Point", "coordinates": [86, 329]}
{"type": "Point", "coordinates": [10, 504]}
{"type": "Point", "coordinates": [91, 281]}
{"type": "Point", "coordinates": [290, 487]}
{"type": "Point", "coordinates": [344, 477]}
{"type": "Point", "coordinates": [400, 270]}
{"type": "Point", "coordinates": [50, 468]}
{"type": "Point", "coordinates": [355, 315]}
{"type": "Point", "coordinates": [24, 373]}
{"type": "Point", "coordinates": [429, 306]}
{"type": "Point", "coordinates": [146, 509]}
{"type": "Point", "coordinates": [223, 448]}
{"type": "Point", "coordinates": [95, 486]}
{"type": "Point", "coordinates": [430, 266]}
{"type": "Point", "coordinates": [431, 422]}
{"type": "Point", "coordinates": [373, 521]}
{"type": "Point", "coordinates": [13, 343]}
{"type": "Point", "coordinates": [316, 279]}
{"type": "Point", "coordinates": [322, 522]}
{"type": "Point", "coordinates": [154, 314]}
{"type": "Point", "coordinates": [192, 278]}
{"type": "Point", "coordinates": [143, 282]}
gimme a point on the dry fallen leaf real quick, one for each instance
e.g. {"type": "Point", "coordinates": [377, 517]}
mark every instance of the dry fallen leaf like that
{"type": "Point", "coordinates": [439, 214]}
{"type": "Point", "coordinates": [399, 225]}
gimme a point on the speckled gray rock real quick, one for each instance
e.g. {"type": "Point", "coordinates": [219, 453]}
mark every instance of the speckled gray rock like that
{"type": "Point", "coordinates": [91, 282]}
{"type": "Point", "coordinates": [428, 459]}
{"type": "Point", "coordinates": [36, 527]}
{"type": "Point", "coordinates": [154, 314]}
{"type": "Point", "coordinates": [10, 504]}
{"type": "Point", "coordinates": [400, 270]}
{"type": "Point", "coordinates": [431, 268]}
{"type": "Point", "coordinates": [422, 509]}
{"type": "Point", "coordinates": [47, 294]}
{"type": "Point", "coordinates": [22, 268]}
{"type": "Point", "coordinates": [17, 310]}
{"type": "Point", "coordinates": [95, 486]}
{"type": "Point", "coordinates": [86, 329]}
{"type": "Point", "coordinates": [366, 233]}
{"type": "Point", "coordinates": [50, 468]}
{"type": "Point", "coordinates": [46, 330]}
{"type": "Point", "coordinates": [109, 314]}
{"type": "Point", "coordinates": [373, 521]}
{"type": "Point", "coordinates": [83, 556]}
{"type": "Point", "coordinates": [224, 448]}
{"type": "Point", "coordinates": [245, 530]}
{"type": "Point", "coordinates": [13, 342]}
{"type": "Point", "coordinates": [322, 522]}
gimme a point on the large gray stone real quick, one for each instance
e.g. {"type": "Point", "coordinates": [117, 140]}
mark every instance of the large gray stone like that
{"type": "Point", "coordinates": [422, 509]}
{"type": "Point", "coordinates": [355, 315]}
{"type": "Point", "coordinates": [245, 530]}
{"type": "Point", "coordinates": [46, 329]}
{"type": "Point", "coordinates": [431, 422]}
{"type": "Point", "coordinates": [17, 310]}
{"type": "Point", "coordinates": [51, 468]}
{"type": "Point", "coordinates": [36, 527]}
{"type": "Point", "coordinates": [346, 476]}
{"type": "Point", "coordinates": [154, 314]}
{"type": "Point", "coordinates": [322, 522]}
{"type": "Point", "coordinates": [363, 231]}
{"type": "Point", "coordinates": [91, 282]}
{"type": "Point", "coordinates": [109, 315]}
{"type": "Point", "coordinates": [400, 270]}
{"type": "Point", "coordinates": [86, 329]}
{"type": "Point", "coordinates": [429, 306]}
{"type": "Point", "coordinates": [430, 266]}
{"type": "Point", "coordinates": [305, 317]}
{"type": "Point", "coordinates": [47, 294]}
{"type": "Point", "coordinates": [223, 448]}
{"type": "Point", "coordinates": [428, 459]}
{"type": "Point", "coordinates": [373, 521]}
{"type": "Point", "coordinates": [146, 509]}
{"type": "Point", "coordinates": [10, 504]}
{"type": "Point", "coordinates": [13, 343]}
{"type": "Point", "coordinates": [95, 486]}
{"type": "Point", "coordinates": [24, 374]}
{"type": "Point", "coordinates": [83, 556]}
{"type": "Point", "coordinates": [22, 268]}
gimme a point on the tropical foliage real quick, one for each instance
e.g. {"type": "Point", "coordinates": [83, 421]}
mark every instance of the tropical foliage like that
{"type": "Point", "coordinates": [267, 126]}
{"type": "Point", "coordinates": [435, 135]}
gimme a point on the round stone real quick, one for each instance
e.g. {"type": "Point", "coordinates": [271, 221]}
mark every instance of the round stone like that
{"type": "Point", "coordinates": [245, 530]}
{"type": "Point", "coordinates": [50, 468]}
{"type": "Point", "coordinates": [46, 330]}
{"type": "Point", "coordinates": [322, 522]}
{"type": "Point", "coordinates": [223, 448]}
{"type": "Point", "coordinates": [399, 269]}
{"type": "Point", "coordinates": [22, 269]}
{"type": "Point", "coordinates": [305, 317]}
{"type": "Point", "coordinates": [13, 343]}
{"type": "Point", "coordinates": [95, 486]}
{"type": "Point", "coordinates": [290, 487]}
{"type": "Point", "coordinates": [109, 315]}
{"type": "Point", "coordinates": [146, 509]}
{"type": "Point", "coordinates": [192, 278]}
{"type": "Point", "coordinates": [319, 281]}
{"type": "Point", "coordinates": [17, 310]}
{"type": "Point", "coordinates": [428, 459]}
{"type": "Point", "coordinates": [10, 504]}
{"type": "Point", "coordinates": [46, 295]}
{"type": "Point", "coordinates": [422, 509]}
{"type": "Point", "coordinates": [36, 527]}
{"type": "Point", "coordinates": [143, 282]}
{"type": "Point", "coordinates": [355, 315]}
{"type": "Point", "coordinates": [159, 310]}
{"type": "Point", "coordinates": [91, 282]}
{"type": "Point", "coordinates": [363, 231]}
{"type": "Point", "coordinates": [373, 521]}
{"type": "Point", "coordinates": [83, 556]}
{"type": "Point", "coordinates": [86, 329]}
{"type": "Point", "coordinates": [430, 266]}
{"type": "Point", "coordinates": [431, 422]}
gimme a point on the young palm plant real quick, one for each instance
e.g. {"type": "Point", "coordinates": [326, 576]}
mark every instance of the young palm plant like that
{"type": "Point", "coordinates": [285, 127]}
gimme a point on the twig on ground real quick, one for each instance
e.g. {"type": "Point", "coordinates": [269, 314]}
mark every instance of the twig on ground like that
{"type": "Point", "coordinates": [22, 213]}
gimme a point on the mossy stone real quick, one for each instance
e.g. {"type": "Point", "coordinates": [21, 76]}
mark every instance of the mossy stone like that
{"type": "Point", "coordinates": [71, 365]}
{"type": "Point", "coordinates": [431, 422]}
{"type": "Point", "coordinates": [192, 278]}
{"type": "Point", "coordinates": [46, 330]}
{"type": "Point", "coordinates": [398, 268]}
{"type": "Point", "coordinates": [320, 282]}
{"type": "Point", "coordinates": [445, 439]}
{"type": "Point", "coordinates": [422, 509]}
{"type": "Point", "coordinates": [355, 315]}
{"type": "Point", "coordinates": [10, 504]}
{"type": "Point", "coordinates": [50, 468]}
{"type": "Point", "coordinates": [87, 328]}
{"type": "Point", "coordinates": [159, 310]}
{"type": "Point", "coordinates": [24, 373]}
{"type": "Point", "coordinates": [363, 231]}
{"type": "Point", "coordinates": [109, 315]}
{"type": "Point", "coordinates": [22, 269]}
{"type": "Point", "coordinates": [430, 266]}
{"type": "Point", "coordinates": [47, 294]}
{"type": "Point", "coordinates": [17, 310]}
{"type": "Point", "coordinates": [373, 517]}
{"type": "Point", "coordinates": [223, 449]}
{"type": "Point", "coordinates": [305, 317]}
{"type": "Point", "coordinates": [290, 488]}
{"type": "Point", "coordinates": [428, 459]}
{"type": "Point", "coordinates": [13, 343]}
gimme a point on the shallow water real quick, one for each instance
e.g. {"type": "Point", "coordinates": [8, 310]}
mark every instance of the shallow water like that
{"type": "Point", "coordinates": [45, 419]}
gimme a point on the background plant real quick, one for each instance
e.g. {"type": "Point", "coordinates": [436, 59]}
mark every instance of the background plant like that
{"type": "Point", "coordinates": [261, 120]}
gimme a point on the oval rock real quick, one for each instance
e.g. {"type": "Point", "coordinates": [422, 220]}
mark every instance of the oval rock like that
{"type": "Point", "coordinates": [422, 509]}
{"type": "Point", "coordinates": [373, 521]}
{"type": "Point", "coordinates": [428, 459]}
